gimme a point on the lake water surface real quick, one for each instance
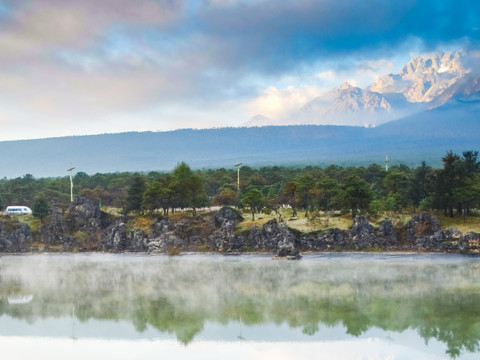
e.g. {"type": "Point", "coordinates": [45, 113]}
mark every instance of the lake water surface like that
{"type": "Point", "coordinates": [332, 306]}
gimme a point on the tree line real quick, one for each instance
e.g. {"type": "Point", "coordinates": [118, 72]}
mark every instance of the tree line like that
{"type": "Point", "coordinates": [453, 189]}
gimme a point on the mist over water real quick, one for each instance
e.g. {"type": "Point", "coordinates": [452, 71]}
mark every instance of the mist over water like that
{"type": "Point", "coordinates": [417, 305]}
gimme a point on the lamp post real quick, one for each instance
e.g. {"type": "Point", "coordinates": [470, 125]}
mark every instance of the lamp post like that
{"type": "Point", "coordinates": [238, 175]}
{"type": "Point", "coordinates": [71, 183]}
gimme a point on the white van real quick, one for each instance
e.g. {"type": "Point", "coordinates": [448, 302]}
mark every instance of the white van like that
{"type": "Point", "coordinates": [18, 210]}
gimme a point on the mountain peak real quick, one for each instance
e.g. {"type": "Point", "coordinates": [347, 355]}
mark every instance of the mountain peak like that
{"type": "Point", "coordinates": [426, 82]}
{"type": "Point", "coordinates": [346, 86]}
{"type": "Point", "coordinates": [423, 78]}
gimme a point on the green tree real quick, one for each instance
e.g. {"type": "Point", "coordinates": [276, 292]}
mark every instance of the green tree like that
{"type": "Point", "coordinates": [328, 189]}
{"type": "Point", "coordinates": [188, 187]}
{"type": "Point", "coordinates": [453, 185]}
{"type": "Point", "coordinates": [226, 196]}
{"type": "Point", "coordinates": [135, 194]}
{"type": "Point", "coordinates": [41, 208]}
{"type": "Point", "coordinates": [253, 199]}
{"type": "Point", "coordinates": [420, 184]}
{"type": "Point", "coordinates": [397, 183]}
{"type": "Point", "coordinates": [306, 191]}
{"type": "Point", "coordinates": [356, 194]}
{"type": "Point", "coordinates": [180, 177]}
{"type": "Point", "coordinates": [290, 195]}
{"type": "Point", "coordinates": [195, 193]}
{"type": "Point", "coordinates": [151, 197]}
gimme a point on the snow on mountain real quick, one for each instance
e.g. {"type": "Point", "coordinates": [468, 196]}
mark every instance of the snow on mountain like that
{"type": "Point", "coordinates": [345, 105]}
{"type": "Point", "coordinates": [423, 79]}
{"type": "Point", "coordinates": [465, 90]}
{"type": "Point", "coordinates": [422, 84]}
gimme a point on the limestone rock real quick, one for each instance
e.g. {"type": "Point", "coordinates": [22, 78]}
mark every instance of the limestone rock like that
{"type": "Point", "coordinates": [18, 239]}
{"type": "Point", "coordinates": [115, 237]}
{"type": "Point", "coordinates": [421, 226]}
{"type": "Point", "coordinates": [53, 231]}
{"type": "Point", "coordinates": [226, 214]}
{"type": "Point", "coordinates": [85, 215]}
{"type": "Point", "coordinates": [470, 243]}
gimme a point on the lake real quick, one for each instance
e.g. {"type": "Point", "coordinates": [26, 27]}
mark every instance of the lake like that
{"type": "Point", "coordinates": [328, 306]}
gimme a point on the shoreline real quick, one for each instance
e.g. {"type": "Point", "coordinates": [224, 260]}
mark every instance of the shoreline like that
{"type": "Point", "coordinates": [242, 254]}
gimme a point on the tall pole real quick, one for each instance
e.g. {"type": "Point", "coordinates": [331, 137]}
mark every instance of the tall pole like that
{"type": "Point", "coordinates": [238, 175]}
{"type": "Point", "coordinates": [386, 163]}
{"type": "Point", "coordinates": [71, 184]}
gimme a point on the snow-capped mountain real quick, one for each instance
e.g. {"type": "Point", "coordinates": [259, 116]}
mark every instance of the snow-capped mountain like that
{"type": "Point", "coordinates": [423, 79]}
{"type": "Point", "coordinates": [345, 105]}
{"type": "Point", "coordinates": [466, 89]}
{"type": "Point", "coordinates": [424, 83]}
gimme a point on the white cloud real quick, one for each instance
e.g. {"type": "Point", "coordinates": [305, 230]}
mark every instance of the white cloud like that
{"type": "Point", "coordinates": [277, 103]}
{"type": "Point", "coordinates": [370, 70]}
{"type": "Point", "coordinates": [328, 75]}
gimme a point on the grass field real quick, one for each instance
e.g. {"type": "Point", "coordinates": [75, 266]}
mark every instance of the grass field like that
{"type": "Point", "coordinates": [301, 223]}
{"type": "Point", "coordinates": [318, 222]}
{"type": "Point", "coordinates": [323, 221]}
{"type": "Point", "coordinates": [465, 225]}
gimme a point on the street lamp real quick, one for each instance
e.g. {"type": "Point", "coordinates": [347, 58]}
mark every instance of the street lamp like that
{"type": "Point", "coordinates": [71, 183]}
{"type": "Point", "coordinates": [238, 175]}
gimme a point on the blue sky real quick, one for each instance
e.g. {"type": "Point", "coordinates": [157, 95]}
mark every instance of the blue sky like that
{"type": "Point", "coordinates": [70, 67]}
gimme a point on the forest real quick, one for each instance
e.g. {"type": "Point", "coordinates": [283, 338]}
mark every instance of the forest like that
{"type": "Point", "coordinates": [453, 189]}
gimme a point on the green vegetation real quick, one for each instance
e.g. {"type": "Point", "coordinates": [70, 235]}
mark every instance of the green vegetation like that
{"type": "Point", "coordinates": [40, 208]}
{"type": "Point", "coordinates": [254, 199]}
{"type": "Point", "coordinates": [318, 194]}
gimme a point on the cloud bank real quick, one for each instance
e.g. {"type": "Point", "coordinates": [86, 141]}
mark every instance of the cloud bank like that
{"type": "Point", "coordinates": [87, 66]}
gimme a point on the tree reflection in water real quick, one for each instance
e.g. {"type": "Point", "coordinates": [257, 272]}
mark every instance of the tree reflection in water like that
{"type": "Point", "coordinates": [438, 296]}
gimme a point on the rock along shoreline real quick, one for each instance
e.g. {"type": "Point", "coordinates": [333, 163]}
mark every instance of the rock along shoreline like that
{"type": "Point", "coordinates": [83, 227]}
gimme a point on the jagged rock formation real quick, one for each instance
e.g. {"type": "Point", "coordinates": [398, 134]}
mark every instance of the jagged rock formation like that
{"type": "Point", "coordinates": [423, 79]}
{"type": "Point", "coordinates": [17, 239]}
{"type": "Point", "coordinates": [82, 221]}
{"type": "Point", "coordinates": [424, 83]}
{"type": "Point", "coordinates": [470, 243]}
{"type": "Point", "coordinates": [83, 227]}
{"type": "Point", "coordinates": [115, 237]}
{"type": "Point", "coordinates": [338, 105]}
{"type": "Point", "coordinates": [425, 232]}
{"type": "Point", "coordinates": [361, 236]}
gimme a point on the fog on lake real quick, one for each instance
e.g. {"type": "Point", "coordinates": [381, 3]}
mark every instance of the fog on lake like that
{"type": "Point", "coordinates": [344, 306]}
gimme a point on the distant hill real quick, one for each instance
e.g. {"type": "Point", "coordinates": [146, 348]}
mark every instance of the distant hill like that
{"type": "Point", "coordinates": [425, 136]}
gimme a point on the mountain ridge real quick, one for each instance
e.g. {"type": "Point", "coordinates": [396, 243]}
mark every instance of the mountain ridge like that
{"type": "Point", "coordinates": [404, 141]}
{"type": "Point", "coordinates": [422, 84]}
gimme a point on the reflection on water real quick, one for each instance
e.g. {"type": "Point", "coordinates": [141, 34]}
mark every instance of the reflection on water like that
{"type": "Point", "coordinates": [350, 305]}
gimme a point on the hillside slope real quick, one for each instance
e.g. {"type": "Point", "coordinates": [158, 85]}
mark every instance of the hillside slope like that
{"type": "Point", "coordinates": [426, 136]}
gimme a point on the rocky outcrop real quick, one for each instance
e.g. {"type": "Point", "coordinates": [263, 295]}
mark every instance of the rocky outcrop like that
{"type": "Point", "coordinates": [470, 243]}
{"type": "Point", "coordinates": [361, 236]}
{"type": "Point", "coordinates": [85, 215]}
{"type": "Point", "coordinates": [115, 237]}
{"type": "Point", "coordinates": [278, 235]}
{"type": "Point", "coordinates": [272, 236]}
{"type": "Point", "coordinates": [421, 226]}
{"type": "Point", "coordinates": [362, 233]}
{"type": "Point", "coordinates": [226, 214]}
{"type": "Point", "coordinates": [329, 240]}
{"type": "Point", "coordinates": [83, 227]}
{"type": "Point", "coordinates": [53, 231]}
{"type": "Point", "coordinates": [425, 232]}
{"type": "Point", "coordinates": [82, 218]}
{"type": "Point", "coordinates": [17, 239]}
